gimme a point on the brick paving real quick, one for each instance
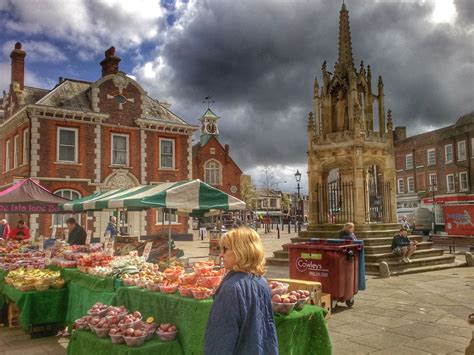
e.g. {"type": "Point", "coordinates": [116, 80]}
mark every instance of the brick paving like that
{"type": "Point", "coordinates": [422, 313]}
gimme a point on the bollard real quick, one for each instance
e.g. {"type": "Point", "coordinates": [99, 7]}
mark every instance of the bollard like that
{"type": "Point", "coordinates": [278, 231]}
{"type": "Point", "coordinates": [295, 226]}
{"type": "Point", "coordinates": [289, 231]}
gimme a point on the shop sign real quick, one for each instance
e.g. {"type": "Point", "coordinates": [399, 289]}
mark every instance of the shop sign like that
{"type": "Point", "coordinates": [459, 219]}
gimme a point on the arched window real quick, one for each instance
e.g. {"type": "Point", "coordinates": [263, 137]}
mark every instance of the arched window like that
{"type": "Point", "coordinates": [59, 220]}
{"type": "Point", "coordinates": [212, 172]}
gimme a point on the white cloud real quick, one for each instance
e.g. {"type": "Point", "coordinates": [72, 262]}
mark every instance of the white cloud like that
{"type": "Point", "coordinates": [39, 51]}
{"type": "Point", "coordinates": [31, 79]}
{"type": "Point", "coordinates": [88, 24]}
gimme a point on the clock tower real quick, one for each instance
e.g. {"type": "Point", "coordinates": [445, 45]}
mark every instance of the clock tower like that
{"type": "Point", "coordinates": [209, 126]}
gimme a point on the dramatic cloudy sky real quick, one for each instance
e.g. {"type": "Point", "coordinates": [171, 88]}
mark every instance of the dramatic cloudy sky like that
{"type": "Point", "coordinates": [256, 58]}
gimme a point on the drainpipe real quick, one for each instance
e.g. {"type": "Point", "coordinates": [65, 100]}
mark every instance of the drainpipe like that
{"type": "Point", "coordinates": [29, 138]}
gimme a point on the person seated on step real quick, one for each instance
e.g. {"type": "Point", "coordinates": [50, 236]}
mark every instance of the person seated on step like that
{"type": "Point", "coordinates": [347, 232]}
{"type": "Point", "coordinates": [403, 246]}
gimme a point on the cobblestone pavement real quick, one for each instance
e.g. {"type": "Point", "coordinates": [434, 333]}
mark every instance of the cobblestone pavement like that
{"type": "Point", "coordinates": [422, 313]}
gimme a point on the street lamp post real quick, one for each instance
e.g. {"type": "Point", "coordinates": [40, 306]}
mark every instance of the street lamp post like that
{"type": "Point", "coordinates": [433, 224]}
{"type": "Point", "coordinates": [298, 188]}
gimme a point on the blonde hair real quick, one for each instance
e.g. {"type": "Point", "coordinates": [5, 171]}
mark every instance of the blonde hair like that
{"type": "Point", "coordinates": [248, 250]}
{"type": "Point", "coordinates": [347, 226]}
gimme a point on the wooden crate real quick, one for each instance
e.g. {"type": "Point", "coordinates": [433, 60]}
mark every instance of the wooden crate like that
{"type": "Point", "coordinates": [314, 288]}
{"type": "Point", "coordinates": [13, 315]}
{"type": "Point", "coordinates": [325, 302]}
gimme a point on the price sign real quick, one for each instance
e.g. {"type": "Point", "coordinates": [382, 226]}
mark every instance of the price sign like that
{"type": "Point", "coordinates": [89, 237]}
{"type": "Point", "coordinates": [53, 233]}
{"type": "Point", "coordinates": [41, 243]}
{"type": "Point", "coordinates": [146, 251]}
{"type": "Point", "coordinates": [47, 257]}
{"type": "Point", "coordinates": [109, 247]}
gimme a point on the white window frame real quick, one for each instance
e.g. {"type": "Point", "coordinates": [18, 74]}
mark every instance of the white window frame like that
{"type": "Point", "coordinates": [462, 151]}
{"type": "Point", "coordinates": [431, 182]}
{"type": "Point", "coordinates": [76, 148]}
{"type": "Point", "coordinates": [159, 218]}
{"type": "Point", "coordinates": [26, 147]}
{"type": "Point", "coordinates": [410, 184]}
{"type": "Point", "coordinates": [401, 186]}
{"type": "Point", "coordinates": [472, 147]}
{"type": "Point", "coordinates": [59, 220]}
{"type": "Point", "coordinates": [429, 162]}
{"type": "Point", "coordinates": [7, 155]}
{"type": "Point", "coordinates": [173, 153]}
{"type": "Point", "coordinates": [16, 152]}
{"type": "Point", "coordinates": [461, 186]}
{"type": "Point", "coordinates": [448, 184]}
{"type": "Point", "coordinates": [212, 151]}
{"type": "Point", "coordinates": [407, 157]}
{"type": "Point", "coordinates": [446, 160]}
{"type": "Point", "coordinates": [219, 173]}
{"type": "Point", "coordinates": [127, 148]}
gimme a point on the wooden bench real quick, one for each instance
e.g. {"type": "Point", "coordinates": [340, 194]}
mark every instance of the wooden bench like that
{"type": "Point", "coordinates": [453, 241]}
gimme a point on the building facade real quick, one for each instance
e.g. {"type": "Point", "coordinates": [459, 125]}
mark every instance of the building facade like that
{"type": "Point", "coordinates": [437, 164]}
{"type": "Point", "coordinates": [212, 162]}
{"type": "Point", "coordinates": [81, 137]}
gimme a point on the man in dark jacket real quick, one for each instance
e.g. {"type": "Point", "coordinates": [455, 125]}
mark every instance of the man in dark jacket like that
{"type": "Point", "coordinates": [77, 234]}
{"type": "Point", "coordinates": [403, 246]}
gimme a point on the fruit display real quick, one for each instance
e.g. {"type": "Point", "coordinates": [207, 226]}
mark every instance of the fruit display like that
{"type": "Point", "coordinates": [166, 332]}
{"type": "Point", "coordinates": [203, 267]}
{"type": "Point", "coordinates": [30, 279]}
{"type": "Point", "coordinates": [201, 293]}
{"type": "Point", "coordinates": [101, 271]}
{"type": "Point", "coordinates": [13, 261]}
{"type": "Point", "coordinates": [173, 273]}
{"type": "Point", "coordinates": [279, 288]}
{"type": "Point", "coordinates": [92, 260]}
{"type": "Point", "coordinates": [300, 296]}
{"type": "Point", "coordinates": [97, 310]}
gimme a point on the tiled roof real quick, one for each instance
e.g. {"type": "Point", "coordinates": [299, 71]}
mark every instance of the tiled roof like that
{"type": "Point", "coordinates": [70, 95]}
{"type": "Point", "coordinates": [32, 95]}
{"type": "Point", "coordinates": [156, 111]}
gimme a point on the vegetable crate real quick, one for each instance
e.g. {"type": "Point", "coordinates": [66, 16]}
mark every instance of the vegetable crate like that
{"type": "Point", "coordinates": [314, 288]}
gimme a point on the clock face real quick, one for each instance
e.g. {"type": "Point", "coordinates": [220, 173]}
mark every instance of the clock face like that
{"type": "Point", "coordinates": [233, 189]}
{"type": "Point", "coordinates": [211, 128]}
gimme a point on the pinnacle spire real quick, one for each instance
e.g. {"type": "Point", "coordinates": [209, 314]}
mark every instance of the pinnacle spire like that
{"type": "Point", "coordinates": [345, 60]}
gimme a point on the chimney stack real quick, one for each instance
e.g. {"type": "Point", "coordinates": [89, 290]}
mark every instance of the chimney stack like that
{"type": "Point", "coordinates": [110, 65]}
{"type": "Point", "coordinates": [18, 65]}
{"type": "Point", "coordinates": [227, 156]}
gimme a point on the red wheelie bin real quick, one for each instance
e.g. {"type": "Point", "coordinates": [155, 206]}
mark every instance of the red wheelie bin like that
{"type": "Point", "coordinates": [334, 263]}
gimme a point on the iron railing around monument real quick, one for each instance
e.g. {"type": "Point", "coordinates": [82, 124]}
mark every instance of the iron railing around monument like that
{"type": "Point", "coordinates": [334, 202]}
{"type": "Point", "coordinates": [380, 207]}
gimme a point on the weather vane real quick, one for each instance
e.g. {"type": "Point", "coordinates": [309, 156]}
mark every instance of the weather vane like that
{"type": "Point", "coordinates": [208, 100]}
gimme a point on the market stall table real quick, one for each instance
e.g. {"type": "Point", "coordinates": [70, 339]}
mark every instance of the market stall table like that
{"type": "Point", "coordinates": [36, 308]}
{"type": "Point", "coordinates": [303, 330]}
{"type": "Point", "coordinates": [84, 342]}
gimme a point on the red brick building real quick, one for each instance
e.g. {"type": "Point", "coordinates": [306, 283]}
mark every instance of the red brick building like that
{"type": "Point", "coordinates": [439, 163]}
{"type": "Point", "coordinates": [211, 160]}
{"type": "Point", "coordinates": [81, 137]}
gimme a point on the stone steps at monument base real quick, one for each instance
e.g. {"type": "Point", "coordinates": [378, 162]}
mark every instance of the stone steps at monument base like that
{"type": "Point", "coordinates": [399, 267]}
{"type": "Point", "coordinates": [414, 270]}
{"type": "Point", "coordinates": [359, 227]}
{"type": "Point", "coordinates": [367, 242]}
{"type": "Point", "coordinates": [381, 249]}
{"type": "Point", "coordinates": [423, 253]}
{"type": "Point", "coordinates": [374, 234]}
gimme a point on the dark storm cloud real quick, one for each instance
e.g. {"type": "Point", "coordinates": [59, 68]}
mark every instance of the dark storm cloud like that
{"type": "Point", "coordinates": [258, 60]}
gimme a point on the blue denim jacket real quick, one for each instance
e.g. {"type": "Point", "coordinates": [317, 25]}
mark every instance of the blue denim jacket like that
{"type": "Point", "coordinates": [241, 318]}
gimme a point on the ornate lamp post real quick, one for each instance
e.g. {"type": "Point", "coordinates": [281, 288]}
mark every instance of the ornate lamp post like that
{"type": "Point", "coordinates": [433, 188]}
{"type": "Point", "coordinates": [298, 188]}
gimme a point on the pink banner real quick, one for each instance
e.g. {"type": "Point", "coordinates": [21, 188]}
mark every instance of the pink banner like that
{"type": "Point", "coordinates": [28, 208]}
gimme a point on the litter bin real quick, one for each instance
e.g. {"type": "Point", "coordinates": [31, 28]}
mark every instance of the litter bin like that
{"type": "Point", "coordinates": [332, 262]}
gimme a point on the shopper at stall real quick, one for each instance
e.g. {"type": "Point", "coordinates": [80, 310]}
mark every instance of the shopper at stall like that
{"type": "Point", "coordinates": [77, 234]}
{"type": "Point", "coordinates": [111, 229]}
{"type": "Point", "coordinates": [4, 229]}
{"type": "Point", "coordinates": [403, 246]}
{"type": "Point", "coordinates": [21, 232]}
{"type": "Point", "coordinates": [347, 232]}
{"type": "Point", "coordinates": [241, 318]}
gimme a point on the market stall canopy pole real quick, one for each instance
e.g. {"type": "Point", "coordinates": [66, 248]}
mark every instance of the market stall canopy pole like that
{"type": "Point", "coordinates": [27, 197]}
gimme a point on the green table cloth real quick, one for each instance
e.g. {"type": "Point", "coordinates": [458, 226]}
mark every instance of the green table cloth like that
{"type": "Point", "coordinates": [189, 315]}
{"type": "Point", "coordinates": [90, 282]}
{"type": "Point", "coordinates": [81, 299]}
{"type": "Point", "coordinates": [303, 332]}
{"type": "Point", "coordinates": [39, 307]}
{"type": "Point", "coordinates": [3, 273]}
{"type": "Point", "coordinates": [84, 342]}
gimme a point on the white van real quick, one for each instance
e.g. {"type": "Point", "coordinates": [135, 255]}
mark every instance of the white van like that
{"type": "Point", "coordinates": [423, 220]}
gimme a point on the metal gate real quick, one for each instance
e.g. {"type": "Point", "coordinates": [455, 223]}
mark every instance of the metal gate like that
{"type": "Point", "coordinates": [334, 202]}
{"type": "Point", "coordinates": [378, 201]}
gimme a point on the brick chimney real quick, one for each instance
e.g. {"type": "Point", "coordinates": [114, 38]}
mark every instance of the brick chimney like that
{"type": "Point", "coordinates": [18, 65]}
{"type": "Point", "coordinates": [227, 156]}
{"type": "Point", "coordinates": [110, 65]}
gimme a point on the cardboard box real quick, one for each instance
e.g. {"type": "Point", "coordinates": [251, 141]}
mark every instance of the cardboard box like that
{"type": "Point", "coordinates": [325, 302]}
{"type": "Point", "coordinates": [314, 288]}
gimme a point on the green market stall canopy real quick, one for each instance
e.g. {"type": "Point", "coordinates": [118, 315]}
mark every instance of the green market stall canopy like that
{"type": "Point", "coordinates": [192, 197]}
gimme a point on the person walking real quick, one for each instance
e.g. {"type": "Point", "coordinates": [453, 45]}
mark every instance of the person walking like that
{"type": "Point", "coordinates": [112, 228]}
{"type": "Point", "coordinates": [403, 246]}
{"type": "Point", "coordinates": [241, 318]}
{"type": "Point", "coordinates": [347, 232]}
{"type": "Point", "coordinates": [21, 232]}
{"type": "Point", "coordinates": [4, 229]}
